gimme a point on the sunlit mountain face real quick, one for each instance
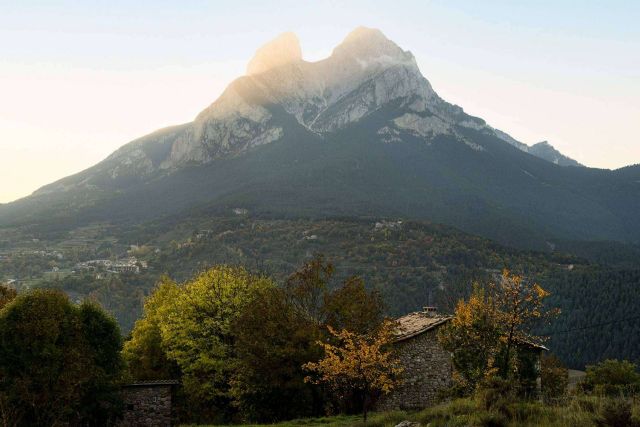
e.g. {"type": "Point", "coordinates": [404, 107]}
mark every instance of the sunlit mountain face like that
{"type": "Point", "coordinates": [360, 133]}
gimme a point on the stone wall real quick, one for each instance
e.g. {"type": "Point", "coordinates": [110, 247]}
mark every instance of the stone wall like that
{"type": "Point", "coordinates": [146, 405]}
{"type": "Point", "coordinates": [427, 369]}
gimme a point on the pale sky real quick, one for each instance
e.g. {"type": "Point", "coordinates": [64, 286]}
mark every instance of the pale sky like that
{"type": "Point", "coordinates": [80, 79]}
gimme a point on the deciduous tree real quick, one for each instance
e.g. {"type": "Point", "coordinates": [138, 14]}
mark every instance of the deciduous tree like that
{"type": "Point", "coordinates": [472, 337]}
{"type": "Point", "coordinates": [59, 363]}
{"type": "Point", "coordinates": [196, 333]}
{"type": "Point", "coordinates": [487, 329]}
{"type": "Point", "coordinates": [358, 362]}
{"type": "Point", "coordinates": [144, 353]}
{"type": "Point", "coordinates": [279, 331]}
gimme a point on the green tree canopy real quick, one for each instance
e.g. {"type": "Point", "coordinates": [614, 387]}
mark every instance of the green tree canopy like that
{"type": "Point", "coordinates": [280, 332]}
{"type": "Point", "coordinates": [186, 330]}
{"type": "Point", "coordinates": [238, 342]}
{"type": "Point", "coordinates": [59, 363]}
{"type": "Point", "coordinates": [144, 353]}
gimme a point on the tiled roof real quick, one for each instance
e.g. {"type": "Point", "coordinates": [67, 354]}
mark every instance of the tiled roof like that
{"type": "Point", "coordinates": [413, 324]}
{"type": "Point", "coordinates": [416, 323]}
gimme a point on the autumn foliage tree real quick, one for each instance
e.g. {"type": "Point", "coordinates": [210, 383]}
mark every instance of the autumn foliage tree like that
{"type": "Point", "coordinates": [238, 342]}
{"type": "Point", "coordinates": [472, 337]}
{"type": "Point", "coordinates": [280, 331]}
{"type": "Point", "coordinates": [364, 363]}
{"type": "Point", "coordinates": [520, 308]}
{"type": "Point", "coordinates": [489, 328]}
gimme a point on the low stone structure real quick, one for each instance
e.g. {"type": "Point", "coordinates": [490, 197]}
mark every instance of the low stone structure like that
{"type": "Point", "coordinates": [427, 366]}
{"type": "Point", "coordinates": [147, 404]}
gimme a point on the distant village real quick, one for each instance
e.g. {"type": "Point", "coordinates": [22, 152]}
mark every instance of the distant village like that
{"type": "Point", "coordinates": [126, 265]}
{"type": "Point", "coordinates": [55, 263]}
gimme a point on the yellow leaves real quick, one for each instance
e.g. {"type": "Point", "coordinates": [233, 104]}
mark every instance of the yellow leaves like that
{"type": "Point", "coordinates": [488, 325]}
{"type": "Point", "coordinates": [357, 361]}
{"type": "Point", "coordinates": [540, 291]}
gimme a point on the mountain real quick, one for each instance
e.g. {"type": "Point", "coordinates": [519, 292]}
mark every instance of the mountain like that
{"type": "Point", "coordinates": [543, 150]}
{"type": "Point", "coordinates": [360, 133]}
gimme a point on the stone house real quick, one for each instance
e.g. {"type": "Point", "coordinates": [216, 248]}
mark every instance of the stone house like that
{"type": "Point", "coordinates": [147, 404]}
{"type": "Point", "coordinates": [428, 368]}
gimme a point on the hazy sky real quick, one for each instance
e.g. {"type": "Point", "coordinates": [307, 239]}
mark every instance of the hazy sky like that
{"type": "Point", "coordinates": [78, 79]}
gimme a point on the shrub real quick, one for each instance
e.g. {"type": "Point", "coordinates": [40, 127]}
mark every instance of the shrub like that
{"type": "Point", "coordinates": [554, 378]}
{"type": "Point", "coordinates": [454, 413]}
{"type": "Point", "coordinates": [489, 419]}
{"type": "Point", "coordinates": [616, 413]}
{"type": "Point", "coordinates": [495, 393]}
{"type": "Point", "coordinates": [612, 377]}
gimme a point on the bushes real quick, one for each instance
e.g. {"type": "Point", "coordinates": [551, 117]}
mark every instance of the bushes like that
{"type": "Point", "coordinates": [494, 389]}
{"type": "Point", "coordinates": [612, 378]}
{"type": "Point", "coordinates": [616, 413]}
{"type": "Point", "coordinates": [554, 379]}
{"type": "Point", "coordinates": [584, 411]}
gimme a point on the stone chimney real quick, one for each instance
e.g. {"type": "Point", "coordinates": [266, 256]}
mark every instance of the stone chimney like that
{"type": "Point", "coordinates": [430, 311]}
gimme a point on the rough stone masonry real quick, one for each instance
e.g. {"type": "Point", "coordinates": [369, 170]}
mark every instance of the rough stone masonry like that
{"type": "Point", "coordinates": [147, 404]}
{"type": "Point", "coordinates": [427, 366]}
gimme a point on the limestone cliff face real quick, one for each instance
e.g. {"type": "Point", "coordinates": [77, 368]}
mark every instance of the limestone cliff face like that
{"type": "Point", "coordinates": [364, 73]}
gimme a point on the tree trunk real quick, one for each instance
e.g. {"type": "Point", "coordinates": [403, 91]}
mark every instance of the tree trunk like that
{"type": "Point", "coordinates": [365, 406]}
{"type": "Point", "coordinates": [505, 367]}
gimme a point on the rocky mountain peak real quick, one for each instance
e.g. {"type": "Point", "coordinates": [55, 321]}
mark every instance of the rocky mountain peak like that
{"type": "Point", "coordinates": [367, 44]}
{"type": "Point", "coordinates": [284, 49]}
{"type": "Point", "coordinates": [365, 73]}
{"type": "Point", "coordinates": [548, 152]}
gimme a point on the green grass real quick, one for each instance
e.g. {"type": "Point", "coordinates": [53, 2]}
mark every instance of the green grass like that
{"type": "Point", "coordinates": [577, 411]}
{"type": "Point", "coordinates": [382, 419]}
